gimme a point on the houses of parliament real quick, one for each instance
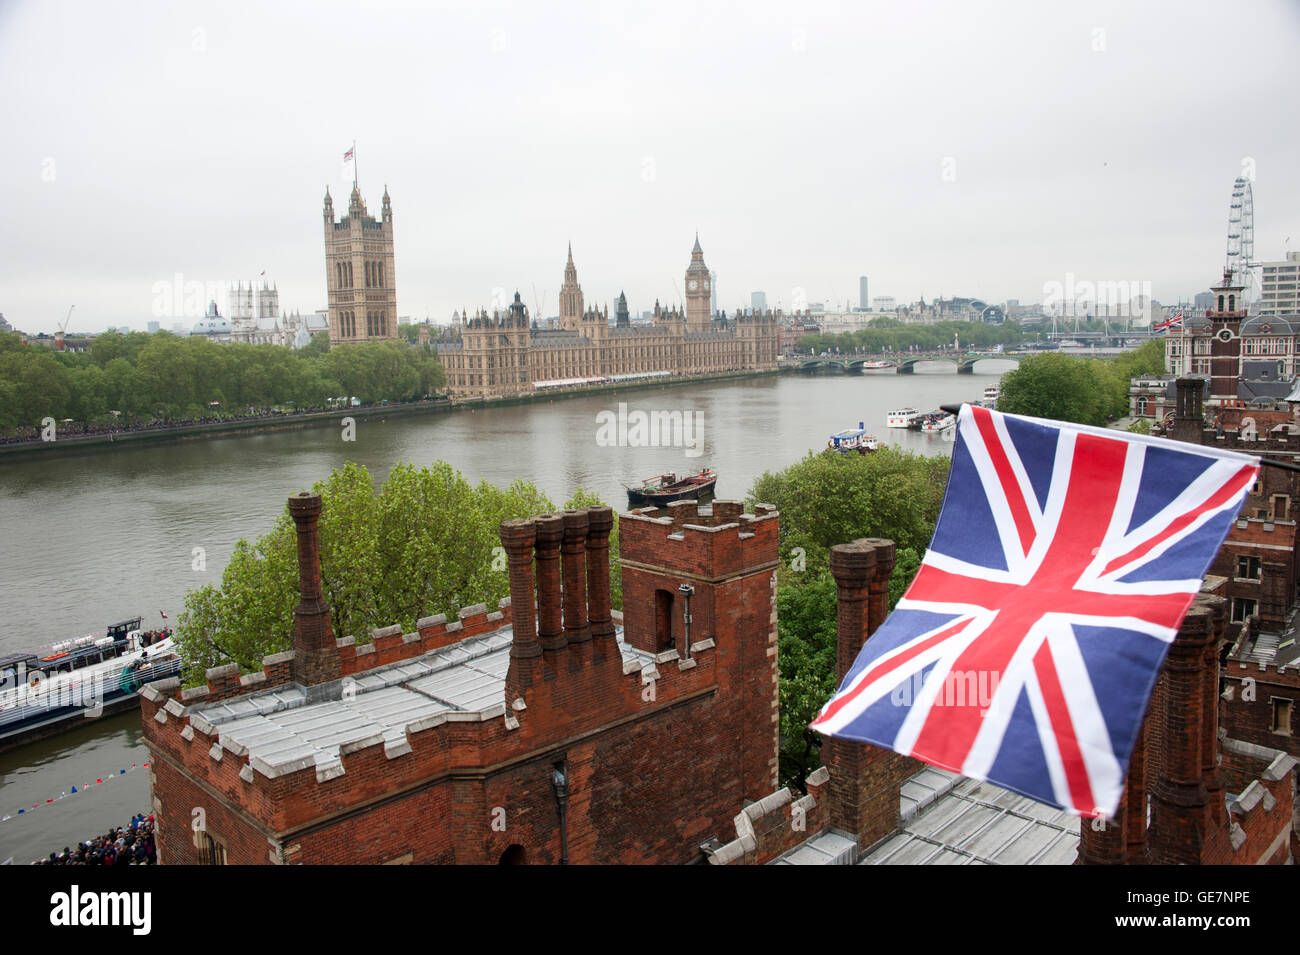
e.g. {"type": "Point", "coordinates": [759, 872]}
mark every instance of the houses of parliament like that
{"type": "Point", "coordinates": [507, 353]}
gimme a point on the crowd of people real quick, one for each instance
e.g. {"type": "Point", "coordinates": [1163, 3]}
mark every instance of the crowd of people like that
{"type": "Point", "coordinates": [76, 429]}
{"type": "Point", "coordinates": [132, 844]}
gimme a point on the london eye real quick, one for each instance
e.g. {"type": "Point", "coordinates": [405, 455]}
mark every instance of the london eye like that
{"type": "Point", "coordinates": [1241, 239]}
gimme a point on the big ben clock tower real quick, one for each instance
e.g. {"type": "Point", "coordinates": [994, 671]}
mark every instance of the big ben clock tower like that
{"type": "Point", "coordinates": [699, 290]}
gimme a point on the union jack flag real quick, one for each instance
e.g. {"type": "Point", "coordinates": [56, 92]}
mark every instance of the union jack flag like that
{"type": "Point", "coordinates": [1175, 321]}
{"type": "Point", "coordinates": [1026, 649]}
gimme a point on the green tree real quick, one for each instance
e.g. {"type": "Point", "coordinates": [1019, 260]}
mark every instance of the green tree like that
{"type": "Point", "coordinates": [1052, 385]}
{"type": "Point", "coordinates": [426, 543]}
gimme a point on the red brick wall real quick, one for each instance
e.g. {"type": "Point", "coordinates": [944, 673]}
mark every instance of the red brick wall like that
{"type": "Point", "coordinates": [1251, 720]}
{"type": "Point", "coordinates": [659, 760]}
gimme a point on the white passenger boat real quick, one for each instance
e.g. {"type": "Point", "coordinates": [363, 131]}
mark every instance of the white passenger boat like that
{"type": "Point", "coordinates": [902, 418]}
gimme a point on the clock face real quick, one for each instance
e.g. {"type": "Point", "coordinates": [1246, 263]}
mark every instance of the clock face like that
{"type": "Point", "coordinates": [694, 285]}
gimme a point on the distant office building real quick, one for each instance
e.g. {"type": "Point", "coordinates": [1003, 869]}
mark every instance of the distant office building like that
{"type": "Point", "coordinates": [154, 327]}
{"type": "Point", "coordinates": [863, 300]}
{"type": "Point", "coordinates": [124, 329]}
{"type": "Point", "coordinates": [1203, 300]}
{"type": "Point", "coordinates": [835, 321]}
{"type": "Point", "coordinates": [4, 325]}
{"type": "Point", "coordinates": [758, 301]}
{"type": "Point", "coordinates": [1280, 288]}
{"type": "Point", "coordinates": [883, 303]}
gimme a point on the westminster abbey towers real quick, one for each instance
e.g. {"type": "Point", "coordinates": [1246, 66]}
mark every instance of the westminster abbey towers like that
{"type": "Point", "coordinates": [359, 273]}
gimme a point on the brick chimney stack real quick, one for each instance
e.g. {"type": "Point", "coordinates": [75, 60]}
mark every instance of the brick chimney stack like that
{"type": "Point", "coordinates": [315, 654]}
{"type": "Point", "coordinates": [864, 779]}
{"type": "Point", "coordinates": [600, 522]}
{"type": "Point", "coordinates": [852, 565]}
{"type": "Point", "coordinates": [574, 549]}
{"type": "Point", "coordinates": [1179, 796]}
{"type": "Point", "coordinates": [517, 537]}
{"type": "Point", "coordinates": [1135, 795]}
{"type": "Point", "coordinates": [550, 628]}
{"type": "Point", "coordinates": [1211, 774]}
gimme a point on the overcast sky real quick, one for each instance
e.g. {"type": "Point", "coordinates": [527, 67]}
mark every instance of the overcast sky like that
{"type": "Point", "coordinates": [981, 149]}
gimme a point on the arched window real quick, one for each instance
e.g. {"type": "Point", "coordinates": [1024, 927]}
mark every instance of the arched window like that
{"type": "Point", "coordinates": [211, 851]}
{"type": "Point", "coordinates": [663, 621]}
{"type": "Point", "coordinates": [1220, 303]}
{"type": "Point", "coordinates": [1232, 303]}
{"type": "Point", "coordinates": [381, 274]}
{"type": "Point", "coordinates": [514, 855]}
{"type": "Point", "coordinates": [383, 324]}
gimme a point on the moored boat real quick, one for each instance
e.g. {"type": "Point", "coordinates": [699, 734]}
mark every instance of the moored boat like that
{"type": "Point", "coordinates": [991, 395]}
{"type": "Point", "coordinates": [902, 418]}
{"type": "Point", "coordinates": [853, 439]}
{"type": "Point", "coordinates": [666, 488]}
{"type": "Point", "coordinates": [937, 421]}
{"type": "Point", "coordinates": [44, 692]}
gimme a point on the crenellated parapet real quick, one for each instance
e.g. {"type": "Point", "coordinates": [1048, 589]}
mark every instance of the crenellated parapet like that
{"type": "Point", "coordinates": [777, 823]}
{"type": "Point", "coordinates": [702, 542]}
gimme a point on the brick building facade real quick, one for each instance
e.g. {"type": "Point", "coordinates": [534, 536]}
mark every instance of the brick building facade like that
{"type": "Point", "coordinates": [552, 729]}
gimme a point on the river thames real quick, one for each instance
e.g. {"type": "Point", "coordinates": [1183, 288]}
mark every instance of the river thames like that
{"type": "Point", "coordinates": [94, 537]}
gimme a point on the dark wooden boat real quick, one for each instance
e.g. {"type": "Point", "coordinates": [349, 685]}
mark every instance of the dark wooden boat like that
{"type": "Point", "coordinates": [666, 488]}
